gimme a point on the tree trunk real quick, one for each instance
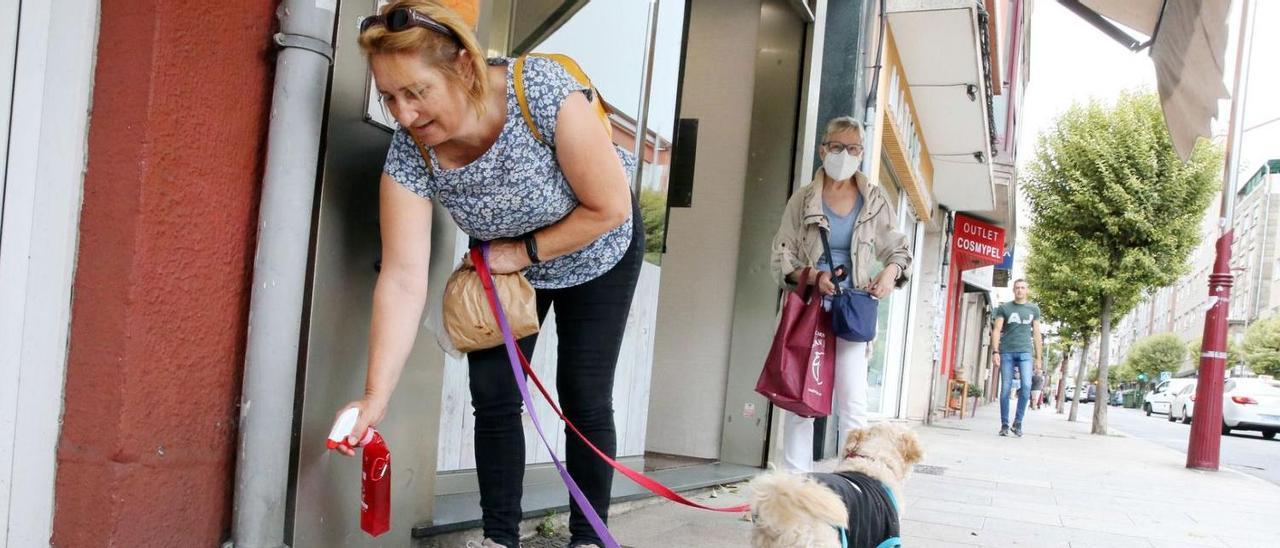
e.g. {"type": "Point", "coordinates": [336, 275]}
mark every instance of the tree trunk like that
{"type": "Point", "coordinates": [1062, 380]}
{"type": "Point", "coordinates": [1104, 346]}
{"type": "Point", "coordinates": [1084, 362]}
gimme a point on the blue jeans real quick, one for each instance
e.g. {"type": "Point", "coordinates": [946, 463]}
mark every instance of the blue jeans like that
{"type": "Point", "coordinates": [1007, 363]}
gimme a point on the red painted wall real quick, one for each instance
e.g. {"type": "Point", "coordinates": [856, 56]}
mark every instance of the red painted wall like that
{"type": "Point", "coordinates": [180, 105]}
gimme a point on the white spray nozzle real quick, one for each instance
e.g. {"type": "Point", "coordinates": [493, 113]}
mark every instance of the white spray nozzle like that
{"type": "Point", "coordinates": [343, 427]}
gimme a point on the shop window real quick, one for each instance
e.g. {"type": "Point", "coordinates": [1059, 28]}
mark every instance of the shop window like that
{"type": "Point", "coordinates": [888, 351]}
{"type": "Point", "coordinates": [618, 72]}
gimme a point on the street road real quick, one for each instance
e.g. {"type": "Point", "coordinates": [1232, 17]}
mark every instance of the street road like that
{"type": "Point", "coordinates": [1243, 451]}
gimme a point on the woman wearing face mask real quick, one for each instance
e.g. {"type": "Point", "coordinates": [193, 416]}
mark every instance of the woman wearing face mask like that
{"type": "Point", "coordinates": [865, 244]}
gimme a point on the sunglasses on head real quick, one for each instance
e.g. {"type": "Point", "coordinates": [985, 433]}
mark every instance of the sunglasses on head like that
{"type": "Point", "coordinates": [400, 19]}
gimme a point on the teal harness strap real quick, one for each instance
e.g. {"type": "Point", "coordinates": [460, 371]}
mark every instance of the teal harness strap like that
{"type": "Point", "coordinates": [891, 542]}
{"type": "Point", "coordinates": [844, 538]}
{"type": "Point", "coordinates": [894, 542]}
{"type": "Point", "coordinates": [892, 498]}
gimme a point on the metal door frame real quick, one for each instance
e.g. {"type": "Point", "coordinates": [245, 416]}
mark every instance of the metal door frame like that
{"type": "Point", "coordinates": [47, 85]}
{"type": "Point", "coordinates": [743, 442]}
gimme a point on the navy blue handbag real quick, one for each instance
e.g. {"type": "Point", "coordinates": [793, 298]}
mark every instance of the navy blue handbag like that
{"type": "Point", "coordinates": [853, 311]}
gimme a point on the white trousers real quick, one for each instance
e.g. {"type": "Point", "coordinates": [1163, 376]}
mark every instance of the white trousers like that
{"type": "Point", "coordinates": [849, 400]}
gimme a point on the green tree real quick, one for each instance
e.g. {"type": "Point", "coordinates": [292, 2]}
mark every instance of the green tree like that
{"type": "Point", "coordinates": [1235, 354]}
{"type": "Point", "coordinates": [1063, 298]}
{"type": "Point", "coordinates": [653, 209]}
{"type": "Point", "coordinates": [1124, 373]}
{"type": "Point", "coordinates": [1160, 352]}
{"type": "Point", "coordinates": [1121, 212]}
{"type": "Point", "coordinates": [1262, 347]}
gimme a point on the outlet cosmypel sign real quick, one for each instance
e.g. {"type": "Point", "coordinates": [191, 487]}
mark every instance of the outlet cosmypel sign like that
{"type": "Point", "coordinates": [976, 243]}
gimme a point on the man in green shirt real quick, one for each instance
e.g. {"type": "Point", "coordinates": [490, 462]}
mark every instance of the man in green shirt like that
{"type": "Point", "coordinates": [1016, 335]}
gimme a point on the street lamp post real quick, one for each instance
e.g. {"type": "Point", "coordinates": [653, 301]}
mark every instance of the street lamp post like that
{"type": "Point", "coordinates": [1204, 446]}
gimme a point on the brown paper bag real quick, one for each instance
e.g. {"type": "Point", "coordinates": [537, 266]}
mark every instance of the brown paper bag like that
{"type": "Point", "coordinates": [468, 319]}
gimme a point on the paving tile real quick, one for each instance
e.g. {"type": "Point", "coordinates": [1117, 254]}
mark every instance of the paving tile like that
{"type": "Point", "coordinates": [941, 517]}
{"type": "Point", "coordinates": [922, 542]}
{"type": "Point", "coordinates": [988, 512]}
{"type": "Point", "coordinates": [1059, 486]}
{"type": "Point", "coordinates": [936, 531]}
{"type": "Point", "coordinates": [1073, 537]}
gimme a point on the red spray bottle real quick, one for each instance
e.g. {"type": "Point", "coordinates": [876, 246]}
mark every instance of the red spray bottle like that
{"type": "Point", "coordinates": [375, 472]}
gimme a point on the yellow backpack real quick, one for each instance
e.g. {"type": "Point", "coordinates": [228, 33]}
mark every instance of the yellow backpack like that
{"type": "Point", "coordinates": [574, 70]}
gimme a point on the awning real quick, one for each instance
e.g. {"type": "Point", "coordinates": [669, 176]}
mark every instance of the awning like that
{"type": "Point", "coordinates": [1188, 41]}
{"type": "Point", "coordinates": [981, 278]}
{"type": "Point", "coordinates": [941, 45]}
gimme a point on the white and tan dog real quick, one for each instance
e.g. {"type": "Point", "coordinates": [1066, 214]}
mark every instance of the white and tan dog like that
{"type": "Point", "coordinates": [815, 510]}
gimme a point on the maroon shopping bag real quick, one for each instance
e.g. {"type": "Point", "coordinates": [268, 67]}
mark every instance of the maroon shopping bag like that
{"type": "Point", "coordinates": [799, 373]}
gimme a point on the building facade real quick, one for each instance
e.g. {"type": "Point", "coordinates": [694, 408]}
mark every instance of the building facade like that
{"type": "Point", "coordinates": [128, 272]}
{"type": "Point", "coordinates": [1180, 308]}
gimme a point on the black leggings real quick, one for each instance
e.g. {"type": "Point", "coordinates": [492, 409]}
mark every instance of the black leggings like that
{"type": "Point", "coordinates": [590, 320]}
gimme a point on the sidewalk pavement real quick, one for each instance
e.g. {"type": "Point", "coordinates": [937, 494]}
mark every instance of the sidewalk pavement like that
{"type": "Point", "coordinates": [1056, 486]}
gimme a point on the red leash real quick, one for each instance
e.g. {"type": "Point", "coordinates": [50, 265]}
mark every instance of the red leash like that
{"type": "Point", "coordinates": [655, 487]}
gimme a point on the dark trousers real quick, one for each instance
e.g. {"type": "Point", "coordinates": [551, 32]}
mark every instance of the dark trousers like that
{"type": "Point", "coordinates": [590, 320]}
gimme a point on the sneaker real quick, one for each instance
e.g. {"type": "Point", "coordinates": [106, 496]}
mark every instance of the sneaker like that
{"type": "Point", "coordinates": [487, 543]}
{"type": "Point", "coordinates": [1004, 430]}
{"type": "Point", "coordinates": [1017, 430]}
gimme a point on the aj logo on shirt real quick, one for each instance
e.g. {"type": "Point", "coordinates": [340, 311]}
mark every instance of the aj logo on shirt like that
{"type": "Point", "coordinates": [1015, 318]}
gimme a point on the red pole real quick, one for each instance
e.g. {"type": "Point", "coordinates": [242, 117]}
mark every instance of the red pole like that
{"type": "Point", "coordinates": [1206, 430]}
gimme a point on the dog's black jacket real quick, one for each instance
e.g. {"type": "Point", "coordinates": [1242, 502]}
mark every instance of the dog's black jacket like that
{"type": "Point", "coordinates": [873, 516]}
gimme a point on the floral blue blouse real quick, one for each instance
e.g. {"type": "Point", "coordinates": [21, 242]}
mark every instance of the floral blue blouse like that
{"type": "Point", "coordinates": [516, 186]}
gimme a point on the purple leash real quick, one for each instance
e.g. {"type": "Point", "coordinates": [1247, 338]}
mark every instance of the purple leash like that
{"type": "Point", "coordinates": [513, 356]}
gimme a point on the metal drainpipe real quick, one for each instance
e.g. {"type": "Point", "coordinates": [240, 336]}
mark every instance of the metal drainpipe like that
{"type": "Point", "coordinates": [945, 275]}
{"type": "Point", "coordinates": [279, 272]}
{"type": "Point", "coordinates": [870, 123]}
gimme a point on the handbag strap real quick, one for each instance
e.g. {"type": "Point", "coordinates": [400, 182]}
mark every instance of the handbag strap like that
{"type": "Point", "coordinates": [826, 250]}
{"type": "Point", "coordinates": [648, 483]}
{"type": "Point", "coordinates": [804, 289]}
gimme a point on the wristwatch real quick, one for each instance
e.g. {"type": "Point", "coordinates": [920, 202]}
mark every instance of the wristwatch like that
{"type": "Point", "coordinates": [531, 248]}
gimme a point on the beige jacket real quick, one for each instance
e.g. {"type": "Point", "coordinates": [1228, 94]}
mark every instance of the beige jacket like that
{"type": "Point", "coordinates": [876, 239]}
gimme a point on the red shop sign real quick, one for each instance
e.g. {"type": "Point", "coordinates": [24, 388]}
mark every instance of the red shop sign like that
{"type": "Point", "coordinates": [977, 240]}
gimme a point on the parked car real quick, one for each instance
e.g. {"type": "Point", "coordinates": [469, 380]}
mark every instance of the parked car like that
{"type": "Point", "coordinates": [1183, 405]}
{"type": "Point", "coordinates": [1251, 404]}
{"type": "Point", "coordinates": [1088, 393]}
{"type": "Point", "coordinates": [1159, 400]}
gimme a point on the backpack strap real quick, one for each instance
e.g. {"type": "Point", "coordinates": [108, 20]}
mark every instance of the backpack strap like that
{"type": "Point", "coordinates": [426, 155]}
{"type": "Point", "coordinates": [576, 72]}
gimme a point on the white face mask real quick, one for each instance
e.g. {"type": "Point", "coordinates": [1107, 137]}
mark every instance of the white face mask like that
{"type": "Point", "coordinates": [841, 166]}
